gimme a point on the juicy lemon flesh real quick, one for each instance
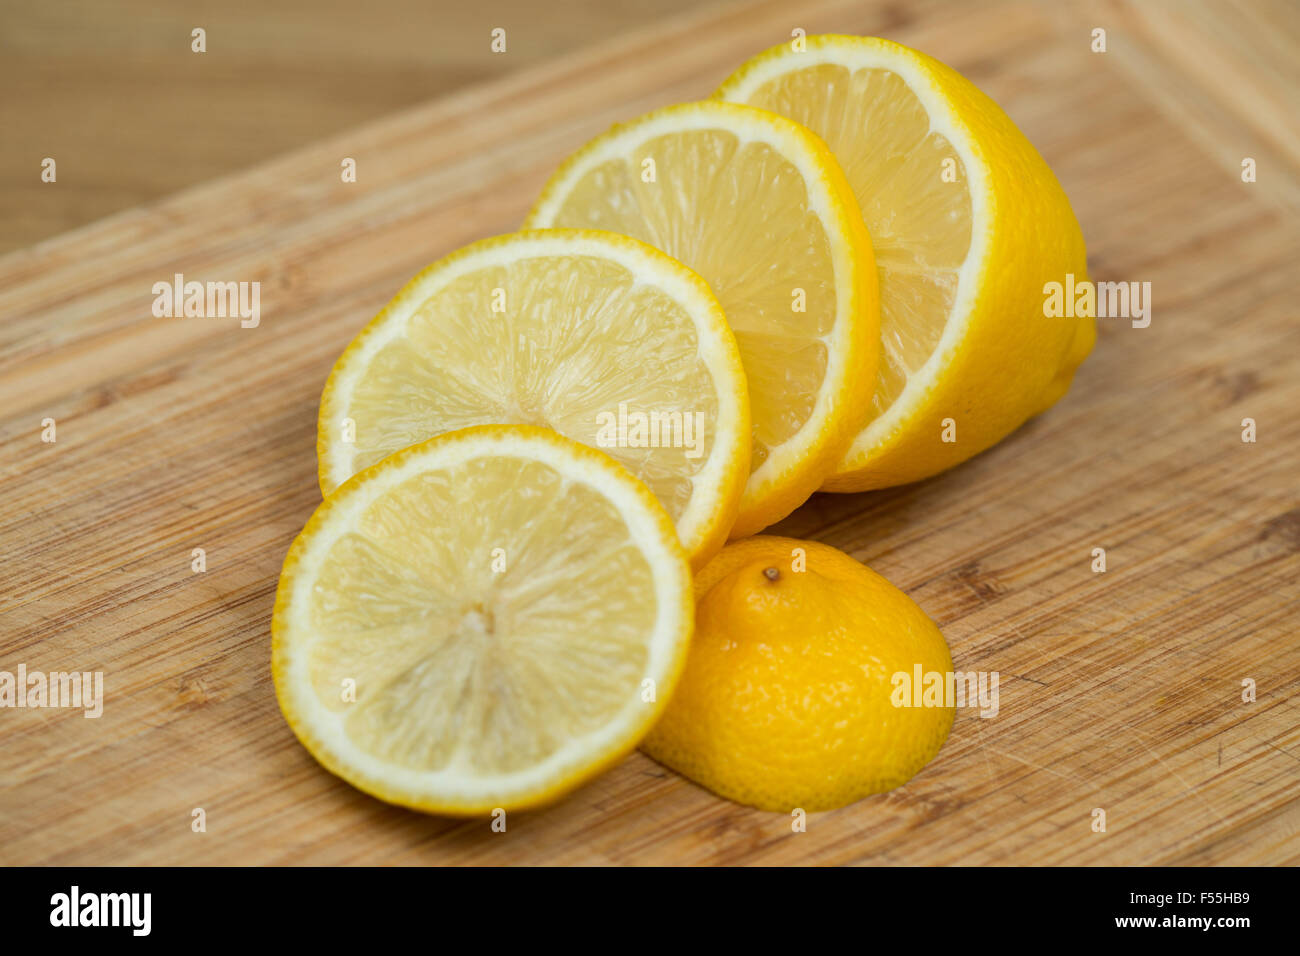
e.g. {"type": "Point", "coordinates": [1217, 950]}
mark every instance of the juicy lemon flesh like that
{"type": "Point", "coordinates": [910, 185]}
{"type": "Point", "coordinates": [701, 210]}
{"type": "Point", "coordinates": [465, 667]}
{"type": "Point", "coordinates": [578, 336]}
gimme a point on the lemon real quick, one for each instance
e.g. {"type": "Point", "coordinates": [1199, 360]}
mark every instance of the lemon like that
{"type": "Point", "coordinates": [968, 225]}
{"type": "Point", "coordinates": [595, 335]}
{"type": "Point", "coordinates": [788, 699]}
{"type": "Point", "coordinates": [482, 620]}
{"type": "Point", "coordinates": [757, 206]}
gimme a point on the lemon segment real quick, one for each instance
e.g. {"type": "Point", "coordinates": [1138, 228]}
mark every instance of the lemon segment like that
{"type": "Point", "coordinates": [790, 698]}
{"type": "Point", "coordinates": [595, 335]}
{"type": "Point", "coordinates": [758, 207]}
{"type": "Point", "coordinates": [472, 622]}
{"type": "Point", "coordinates": [968, 224]}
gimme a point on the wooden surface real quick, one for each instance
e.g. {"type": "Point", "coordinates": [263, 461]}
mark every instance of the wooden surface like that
{"type": "Point", "coordinates": [114, 93]}
{"type": "Point", "coordinates": [1120, 691]}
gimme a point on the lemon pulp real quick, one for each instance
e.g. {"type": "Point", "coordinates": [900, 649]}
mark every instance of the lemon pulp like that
{"type": "Point", "coordinates": [910, 185]}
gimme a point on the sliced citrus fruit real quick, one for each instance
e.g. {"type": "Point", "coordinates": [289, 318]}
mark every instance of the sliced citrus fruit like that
{"type": "Point", "coordinates": [757, 206]}
{"type": "Point", "coordinates": [473, 622]}
{"type": "Point", "coordinates": [595, 335]}
{"type": "Point", "coordinates": [968, 225]}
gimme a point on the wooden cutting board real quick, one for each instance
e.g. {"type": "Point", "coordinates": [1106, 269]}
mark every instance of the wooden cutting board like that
{"type": "Point", "coordinates": [1120, 691]}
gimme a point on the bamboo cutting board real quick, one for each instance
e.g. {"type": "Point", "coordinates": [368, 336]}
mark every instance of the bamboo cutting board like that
{"type": "Point", "coordinates": [1120, 691]}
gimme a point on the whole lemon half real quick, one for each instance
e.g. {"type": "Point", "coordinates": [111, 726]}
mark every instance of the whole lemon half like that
{"type": "Point", "coordinates": [969, 228]}
{"type": "Point", "coordinates": [792, 695]}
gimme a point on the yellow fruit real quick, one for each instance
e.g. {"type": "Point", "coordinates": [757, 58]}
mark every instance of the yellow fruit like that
{"type": "Point", "coordinates": [579, 331]}
{"type": "Point", "coordinates": [469, 623]}
{"type": "Point", "coordinates": [758, 207]}
{"type": "Point", "coordinates": [788, 699]}
{"type": "Point", "coordinates": [968, 225]}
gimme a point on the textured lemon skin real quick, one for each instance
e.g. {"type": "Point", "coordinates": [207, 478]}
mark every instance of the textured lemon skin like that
{"type": "Point", "coordinates": [855, 346]}
{"type": "Point", "coordinates": [1010, 362]}
{"type": "Point", "coordinates": [785, 701]}
{"type": "Point", "coordinates": [326, 754]}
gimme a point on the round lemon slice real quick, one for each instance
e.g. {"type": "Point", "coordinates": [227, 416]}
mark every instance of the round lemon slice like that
{"type": "Point", "coordinates": [595, 335]}
{"type": "Point", "coordinates": [968, 225]}
{"type": "Point", "coordinates": [757, 206]}
{"type": "Point", "coordinates": [482, 620]}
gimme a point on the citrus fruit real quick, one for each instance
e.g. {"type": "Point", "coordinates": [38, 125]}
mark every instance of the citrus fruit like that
{"type": "Point", "coordinates": [595, 335]}
{"type": "Point", "coordinates": [471, 623]}
{"type": "Point", "coordinates": [757, 206]}
{"type": "Point", "coordinates": [788, 700]}
{"type": "Point", "coordinates": [968, 225]}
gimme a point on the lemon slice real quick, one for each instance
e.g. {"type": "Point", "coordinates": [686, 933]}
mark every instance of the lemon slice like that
{"type": "Point", "coordinates": [478, 621]}
{"type": "Point", "coordinates": [595, 335]}
{"type": "Point", "coordinates": [758, 207]}
{"type": "Point", "coordinates": [968, 225]}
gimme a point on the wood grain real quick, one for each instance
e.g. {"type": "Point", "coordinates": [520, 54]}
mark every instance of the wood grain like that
{"type": "Point", "coordinates": [113, 92]}
{"type": "Point", "coordinates": [1120, 691]}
